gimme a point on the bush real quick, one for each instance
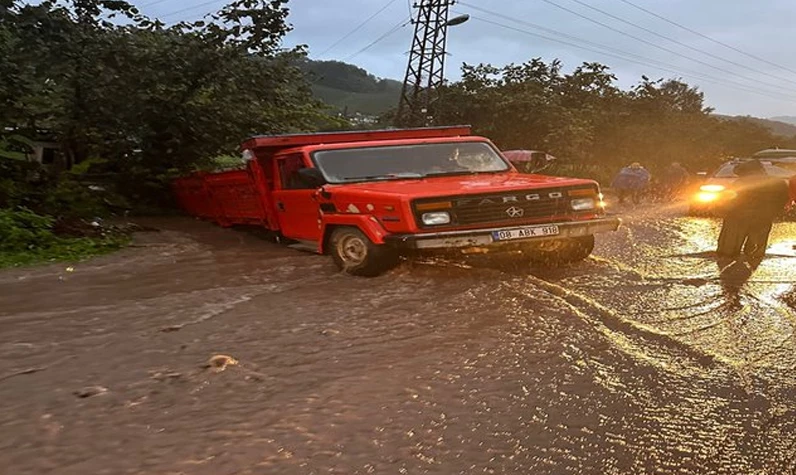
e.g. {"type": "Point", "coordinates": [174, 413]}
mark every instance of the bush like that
{"type": "Point", "coordinates": [70, 200]}
{"type": "Point", "coordinates": [24, 230]}
{"type": "Point", "coordinates": [28, 238]}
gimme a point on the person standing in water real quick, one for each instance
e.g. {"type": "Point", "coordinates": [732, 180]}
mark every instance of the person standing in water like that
{"type": "Point", "coordinates": [750, 214]}
{"type": "Point", "coordinates": [631, 181]}
{"type": "Point", "coordinates": [675, 178]}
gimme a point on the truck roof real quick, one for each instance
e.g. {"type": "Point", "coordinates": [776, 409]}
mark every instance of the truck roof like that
{"type": "Point", "coordinates": [298, 140]}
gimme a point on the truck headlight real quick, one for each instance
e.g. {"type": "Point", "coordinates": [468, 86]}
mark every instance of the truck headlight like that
{"type": "Point", "coordinates": [582, 204]}
{"type": "Point", "coordinates": [436, 218]}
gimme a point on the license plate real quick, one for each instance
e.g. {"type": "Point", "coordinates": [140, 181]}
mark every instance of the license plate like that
{"type": "Point", "coordinates": [524, 233]}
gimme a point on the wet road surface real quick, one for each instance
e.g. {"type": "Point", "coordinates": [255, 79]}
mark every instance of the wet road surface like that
{"type": "Point", "coordinates": [649, 357]}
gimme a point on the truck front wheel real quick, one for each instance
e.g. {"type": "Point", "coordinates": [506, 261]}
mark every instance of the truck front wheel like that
{"type": "Point", "coordinates": [355, 254]}
{"type": "Point", "coordinates": [564, 251]}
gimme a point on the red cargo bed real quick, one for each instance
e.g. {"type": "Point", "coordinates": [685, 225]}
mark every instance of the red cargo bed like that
{"type": "Point", "coordinates": [228, 198]}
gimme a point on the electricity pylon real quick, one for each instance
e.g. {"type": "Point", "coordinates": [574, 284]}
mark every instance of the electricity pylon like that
{"type": "Point", "coordinates": [425, 71]}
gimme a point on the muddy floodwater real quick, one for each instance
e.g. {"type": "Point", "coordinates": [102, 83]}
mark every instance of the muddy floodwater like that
{"type": "Point", "coordinates": [648, 358]}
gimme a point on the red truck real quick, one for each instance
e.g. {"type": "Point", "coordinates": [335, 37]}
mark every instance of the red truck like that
{"type": "Point", "coordinates": [368, 197]}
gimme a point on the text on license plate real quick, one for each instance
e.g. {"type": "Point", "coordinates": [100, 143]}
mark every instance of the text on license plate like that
{"type": "Point", "coordinates": [522, 233]}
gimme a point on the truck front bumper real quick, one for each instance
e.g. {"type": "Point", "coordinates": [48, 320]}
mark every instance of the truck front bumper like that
{"type": "Point", "coordinates": [486, 237]}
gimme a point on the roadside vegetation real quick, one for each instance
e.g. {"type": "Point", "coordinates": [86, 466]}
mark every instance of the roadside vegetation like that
{"type": "Point", "coordinates": [45, 218]}
{"type": "Point", "coordinates": [131, 103]}
{"type": "Point", "coordinates": [592, 125]}
{"type": "Point", "coordinates": [29, 238]}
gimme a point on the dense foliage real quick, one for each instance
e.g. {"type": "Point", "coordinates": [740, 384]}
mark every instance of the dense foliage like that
{"type": "Point", "coordinates": [146, 96]}
{"type": "Point", "coordinates": [591, 124]}
{"type": "Point", "coordinates": [134, 100]}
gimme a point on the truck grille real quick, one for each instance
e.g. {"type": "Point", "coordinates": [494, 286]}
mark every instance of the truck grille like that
{"type": "Point", "coordinates": [518, 206]}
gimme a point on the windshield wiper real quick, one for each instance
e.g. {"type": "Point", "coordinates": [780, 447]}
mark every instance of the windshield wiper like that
{"type": "Point", "coordinates": [386, 176]}
{"type": "Point", "coordinates": [463, 172]}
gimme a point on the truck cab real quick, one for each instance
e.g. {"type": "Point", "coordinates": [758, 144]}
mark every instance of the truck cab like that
{"type": "Point", "coordinates": [368, 197]}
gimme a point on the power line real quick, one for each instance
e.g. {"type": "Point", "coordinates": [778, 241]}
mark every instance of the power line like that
{"type": "Point", "coordinates": [152, 3]}
{"type": "Point", "coordinates": [357, 28]}
{"type": "Point", "coordinates": [663, 48]}
{"type": "Point", "coordinates": [624, 54]}
{"type": "Point", "coordinates": [649, 63]}
{"type": "Point", "coordinates": [685, 45]}
{"type": "Point", "coordinates": [373, 43]}
{"type": "Point", "coordinates": [553, 32]}
{"type": "Point", "coordinates": [108, 15]}
{"type": "Point", "coordinates": [702, 35]}
{"type": "Point", "coordinates": [182, 10]}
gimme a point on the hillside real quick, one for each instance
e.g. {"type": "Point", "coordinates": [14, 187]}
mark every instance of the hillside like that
{"type": "Point", "coordinates": [788, 119]}
{"type": "Point", "coordinates": [366, 103]}
{"type": "Point", "coordinates": [350, 89]}
{"type": "Point", "coordinates": [776, 127]}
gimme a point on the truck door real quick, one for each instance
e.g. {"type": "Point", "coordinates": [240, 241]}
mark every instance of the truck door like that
{"type": "Point", "coordinates": [296, 209]}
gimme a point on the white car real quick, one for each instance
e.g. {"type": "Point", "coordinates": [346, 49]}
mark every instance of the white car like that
{"type": "Point", "coordinates": [718, 187]}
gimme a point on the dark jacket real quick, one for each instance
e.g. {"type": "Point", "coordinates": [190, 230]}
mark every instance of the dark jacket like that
{"type": "Point", "coordinates": [631, 179]}
{"type": "Point", "coordinates": [760, 197]}
{"type": "Point", "coordinates": [675, 176]}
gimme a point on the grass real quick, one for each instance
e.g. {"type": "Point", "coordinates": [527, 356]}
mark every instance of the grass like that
{"type": "Point", "coordinates": [64, 250]}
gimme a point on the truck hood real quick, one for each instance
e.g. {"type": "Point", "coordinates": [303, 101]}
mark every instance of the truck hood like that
{"type": "Point", "coordinates": [457, 185]}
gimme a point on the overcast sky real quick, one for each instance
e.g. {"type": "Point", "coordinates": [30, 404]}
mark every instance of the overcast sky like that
{"type": "Point", "coordinates": [734, 83]}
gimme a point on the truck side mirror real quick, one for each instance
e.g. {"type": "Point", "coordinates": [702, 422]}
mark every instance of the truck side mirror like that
{"type": "Point", "coordinates": [312, 177]}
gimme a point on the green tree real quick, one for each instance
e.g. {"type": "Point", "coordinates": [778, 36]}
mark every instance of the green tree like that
{"type": "Point", "coordinates": [592, 125]}
{"type": "Point", "coordinates": [149, 97]}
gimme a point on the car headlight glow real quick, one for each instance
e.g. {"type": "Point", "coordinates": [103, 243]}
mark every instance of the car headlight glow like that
{"type": "Point", "coordinates": [712, 188]}
{"type": "Point", "coordinates": [436, 218]}
{"type": "Point", "coordinates": [707, 196]}
{"type": "Point", "coordinates": [582, 204]}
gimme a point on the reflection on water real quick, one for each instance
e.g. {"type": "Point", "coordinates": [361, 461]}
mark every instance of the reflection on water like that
{"type": "Point", "coordinates": [733, 309]}
{"type": "Point", "coordinates": [733, 275]}
{"type": "Point", "coordinates": [647, 358]}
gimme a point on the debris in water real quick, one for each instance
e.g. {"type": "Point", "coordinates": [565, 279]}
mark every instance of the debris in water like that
{"type": "Point", "coordinates": [219, 363]}
{"type": "Point", "coordinates": [159, 376]}
{"type": "Point", "coordinates": [70, 269]}
{"type": "Point", "coordinates": [90, 391]}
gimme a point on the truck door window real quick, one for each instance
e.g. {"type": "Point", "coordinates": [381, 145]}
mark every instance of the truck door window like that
{"type": "Point", "coordinates": [289, 172]}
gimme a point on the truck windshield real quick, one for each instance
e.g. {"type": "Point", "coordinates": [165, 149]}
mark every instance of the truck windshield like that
{"type": "Point", "coordinates": [408, 161]}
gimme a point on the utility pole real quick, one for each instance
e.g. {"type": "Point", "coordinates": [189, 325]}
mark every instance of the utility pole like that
{"type": "Point", "coordinates": [425, 71]}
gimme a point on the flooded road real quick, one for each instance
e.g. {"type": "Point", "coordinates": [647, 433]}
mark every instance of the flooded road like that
{"type": "Point", "coordinates": [649, 357]}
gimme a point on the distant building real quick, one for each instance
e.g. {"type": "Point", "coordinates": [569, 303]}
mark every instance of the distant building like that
{"type": "Point", "coordinates": [45, 152]}
{"type": "Point", "coordinates": [40, 149]}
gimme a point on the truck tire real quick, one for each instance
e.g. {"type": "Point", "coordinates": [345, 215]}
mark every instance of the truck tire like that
{"type": "Point", "coordinates": [355, 254]}
{"type": "Point", "coordinates": [568, 251]}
